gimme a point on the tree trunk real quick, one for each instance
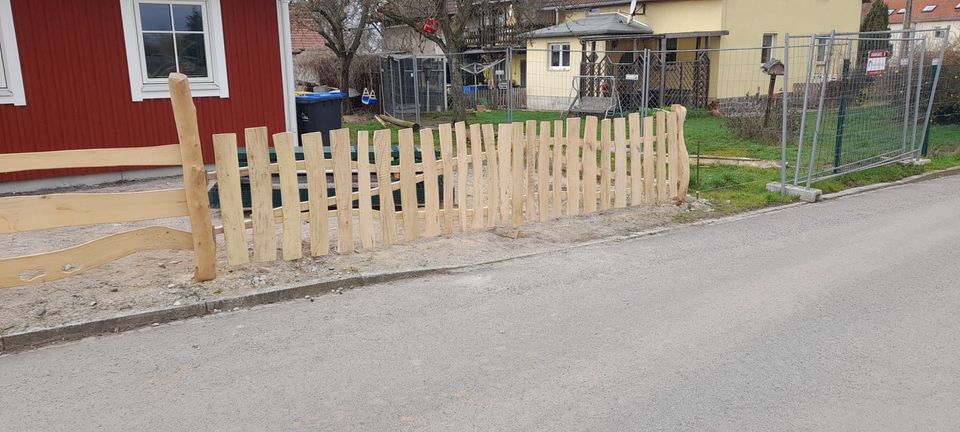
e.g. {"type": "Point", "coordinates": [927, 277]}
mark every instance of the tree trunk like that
{"type": "Point", "coordinates": [345, 64]}
{"type": "Point", "coordinates": [456, 86]}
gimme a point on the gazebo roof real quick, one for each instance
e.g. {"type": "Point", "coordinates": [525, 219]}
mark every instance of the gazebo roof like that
{"type": "Point", "coordinates": [597, 24]}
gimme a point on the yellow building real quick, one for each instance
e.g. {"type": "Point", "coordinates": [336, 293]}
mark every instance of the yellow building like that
{"type": "Point", "coordinates": [704, 49]}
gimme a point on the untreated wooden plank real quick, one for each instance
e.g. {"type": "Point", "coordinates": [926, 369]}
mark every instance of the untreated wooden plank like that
{"type": "Point", "coordinates": [34, 212]}
{"type": "Point", "coordinates": [530, 158]}
{"type": "Point", "coordinates": [261, 195]}
{"type": "Point", "coordinates": [292, 246]}
{"type": "Point", "coordinates": [462, 174]}
{"type": "Point", "coordinates": [408, 186]}
{"type": "Point", "coordinates": [194, 178]}
{"type": "Point", "coordinates": [517, 188]}
{"type": "Point", "coordinates": [505, 136]}
{"type": "Point", "coordinates": [388, 209]}
{"type": "Point", "coordinates": [343, 185]}
{"type": "Point", "coordinates": [649, 176]}
{"type": "Point", "coordinates": [316, 164]}
{"type": "Point", "coordinates": [493, 174]}
{"type": "Point", "coordinates": [662, 188]}
{"type": "Point", "coordinates": [476, 158]}
{"type": "Point", "coordinates": [163, 155]}
{"type": "Point", "coordinates": [231, 202]}
{"type": "Point", "coordinates": [590, 165]}
{"type": "Point", "coordinates": [543, 171]}
{"type": "Point", "coordinates": [558, 144]}
{"type": "Point", "coordinates": [446, 157]}
{"type": "Point", "coordinates": [606, 167]}
{"type": "Point", "coordinates": [683, 181]}
{"type": "Point", "coordinates": [365, 201]}
{"type": "Point", "coordinates": [673, 158]}
{"type": "Point", "coordinates": [573, 144]}
{"type": "Point", "coordinates": [636, 142]}
{"type": "Point", "coordinates": [49, 266]}
{"type": "Point", "coordinates": [620, 144]}
{"type": "Point", "coordinates": [431, 187]}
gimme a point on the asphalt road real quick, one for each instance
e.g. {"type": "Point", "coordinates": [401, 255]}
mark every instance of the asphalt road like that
{"type": "Point", "coordinates": [839, 316]}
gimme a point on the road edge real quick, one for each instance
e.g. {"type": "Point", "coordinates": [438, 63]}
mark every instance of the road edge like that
{"type": "Point", "coordinates": [932, 175]}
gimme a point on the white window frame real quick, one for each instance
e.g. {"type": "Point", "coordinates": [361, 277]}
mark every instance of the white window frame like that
{"type": "Point", "coordinates": [12, 93]}
{"type": "Point", "coordinates": [560, 67]}
{"type": "Point", "coordinates": [143, 88]}
{"type": "Point", "coordinates": [766, 50]}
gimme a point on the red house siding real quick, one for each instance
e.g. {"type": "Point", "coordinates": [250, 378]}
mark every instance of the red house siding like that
{"type": "Point", "coordinates": [78, 89]}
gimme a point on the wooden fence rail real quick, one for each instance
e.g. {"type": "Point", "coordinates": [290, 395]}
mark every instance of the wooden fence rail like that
{"type": "Point", "coordinates": [28, 213]}
{"type": "Point", "coordinates": [484, 178]}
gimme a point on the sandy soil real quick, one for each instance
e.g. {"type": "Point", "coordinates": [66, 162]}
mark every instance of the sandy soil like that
{"type": "Point", "coordinates": [158, 279]}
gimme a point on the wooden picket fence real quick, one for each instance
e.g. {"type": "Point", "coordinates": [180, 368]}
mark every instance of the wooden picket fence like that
{"type": "Point", "coordinates": [485, 177]}
{"type": "Point", "coordinates": [37, 212]}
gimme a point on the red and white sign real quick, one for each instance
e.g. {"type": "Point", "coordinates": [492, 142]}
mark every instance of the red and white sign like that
{"type": "Point", "coordinates": [876, 62]}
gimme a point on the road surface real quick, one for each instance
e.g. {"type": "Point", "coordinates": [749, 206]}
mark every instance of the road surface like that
{"type": "Point", "coordinates": [836, 316]}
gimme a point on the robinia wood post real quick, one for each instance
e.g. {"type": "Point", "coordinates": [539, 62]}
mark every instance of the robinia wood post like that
{"type": "Point", "coordinates": [194, 179]}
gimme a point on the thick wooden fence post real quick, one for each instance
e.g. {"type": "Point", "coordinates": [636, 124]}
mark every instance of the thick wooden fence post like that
{"type": "Point", "coordinates": [194, 179]}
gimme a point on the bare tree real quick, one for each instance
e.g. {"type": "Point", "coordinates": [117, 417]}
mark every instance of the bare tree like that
{"type": "Point", "coordinates": [453, 18]}
{"type": "Point", "coordinates": [343, 24]}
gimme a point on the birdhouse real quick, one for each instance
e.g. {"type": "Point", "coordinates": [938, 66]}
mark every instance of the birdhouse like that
{"type": "Point", "coordinates": [430, 26]}
{"type": "Point", "coordinates": [772, 67]}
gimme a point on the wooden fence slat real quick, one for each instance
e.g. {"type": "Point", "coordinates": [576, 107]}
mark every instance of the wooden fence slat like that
{"type": "Point", "coordinates": [620, 174]}
{"type": "Point", "coordinates": [194, 178]}
{"type": "Point", "coordinates": [573, 143]}
{"type": "Point", "coordinates": [673, 154]}
{"type": "Point", "coordinates": [531, 162]}
{"type": "Point", "coordinates": [34, 212]}
{"type": "Point", "coordinates": [662, 189]}
{"type": "Point", "coordinates": [493, 175]}
{"type": "Point", "coordinates": [558, 144]}
{"type": "Point", "coordinates": [517, 188]}
{"type": "Point", "coordinates": [476, 153]}
{"type": "Point", "coordinates": [261, 195]}
{"type": "Point", "coordinates": [683, 185]}
{"type": "Point", "coordinates": [504, 147]}
{"type": "Point", "coordinates": [590, 165]}
{"type": "Point", "coordinates": [164, 155]}
{"type": "Point", "coordinates": [446, 156]}
{"type": "Point", "coordinates": [462, 165]}
{"type": "Point", "coordinates": [343, 185]}
{"type": "Point", "coordinates": [606, 166]}
{"type": "Point", "coordinates": [365, 203]}
{"type": "Point", "coordinates": [316, 163]}
{"type": "Point", "coordinates": [59, 264]}
{"type": "Point", "coordinates": [388, 209]}
{"type": "Point", "coordinates": [431, 189]}
{"type": "Point", "coordinates": [649, 191]}
{"type": "Point", "coordinates": [289, 196]}
{"type": "Point", "coordinates": [543, 171]}
{"type": "Point", "coordinates": [636, 178]}
{"type": "Point", "coordinates": [231, 202]}
{"type": "Point", "coordinates": [408, 186]}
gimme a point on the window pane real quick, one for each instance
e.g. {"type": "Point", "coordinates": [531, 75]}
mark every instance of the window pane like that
{"type": "Point", "coordinates": [188, 17]}
{"type": "Point", "coordinates": [193, 55]}
{"type": "Point", "coordinates": [566, 57]}
{"type": "Point", "coordinates": [158, 51]}
{"type": "Point", "coordinates": [554, 56]}
{"type": "Point", "coordinates": [155, 17]}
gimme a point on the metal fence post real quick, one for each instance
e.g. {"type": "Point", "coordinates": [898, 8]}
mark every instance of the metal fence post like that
{"type": "Point", "coordinates": [803, 111]}
{"type": "Point", "coordinates": [841, 114]}
{"type": "Point", "coordinates": [416, 87]}
{"type": "Point", "coordinates": [824, 82]}
{"type": "Point", "coordinates": [908, 37]}
{"type": "Point", "coordinates": [784, 128]}
{"type": "Point", "coordinates": [646, 83]}
{"type": "Point", "coordinates": [916, 104]}
{"type": "Point", "coordinates": [936, 66]}
{"type": "Point", "coordinates": [509, 78]}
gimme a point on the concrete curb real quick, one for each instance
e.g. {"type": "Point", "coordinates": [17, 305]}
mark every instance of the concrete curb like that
{"type": "Point", "coordinates": [914, 179]}
{"type": "Point", "coordinates": [36, 338]}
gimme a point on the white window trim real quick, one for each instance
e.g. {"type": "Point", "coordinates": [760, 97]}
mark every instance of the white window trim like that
{"type": "Point", "coordinates": [141, 89]}
{"type": "Point", "coordinates": [550, 59]}
{"type": "Point", "coordinates": [13, 93]}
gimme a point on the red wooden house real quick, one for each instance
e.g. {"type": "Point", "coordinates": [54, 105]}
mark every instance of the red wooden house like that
{"type": "Point", "coordinates": [92, 73]}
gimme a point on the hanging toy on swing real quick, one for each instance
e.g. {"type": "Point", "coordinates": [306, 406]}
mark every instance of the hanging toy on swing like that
{"type": "Point", "coordinates": [369, 97]}
{"type": "Point", "coordinates": [430, 26]}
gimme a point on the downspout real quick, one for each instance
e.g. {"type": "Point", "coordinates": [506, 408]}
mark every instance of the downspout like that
{"type": "Point", "coordinates": [286, 67]}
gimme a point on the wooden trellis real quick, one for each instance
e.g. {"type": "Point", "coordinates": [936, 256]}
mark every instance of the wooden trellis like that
{"type": "Point", "coordinates": [485, 177]}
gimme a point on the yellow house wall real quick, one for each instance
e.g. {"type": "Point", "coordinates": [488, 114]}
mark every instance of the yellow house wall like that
{"type": "Point", "coordinates": [550, 89]}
